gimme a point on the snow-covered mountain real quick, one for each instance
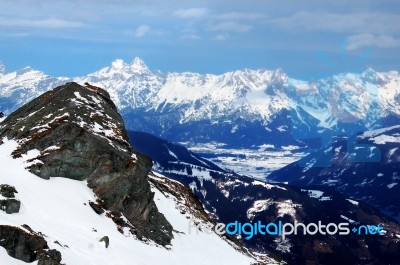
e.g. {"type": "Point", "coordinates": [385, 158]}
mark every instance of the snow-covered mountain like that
{"type": "Point", "coordinates": [239, 108]}
{"type": "Point", "coordinates": [74, 191]}
{"type": "Point", "coordinates": [19, 87]}
{"type": "Point", "coordinates": [228, 196]}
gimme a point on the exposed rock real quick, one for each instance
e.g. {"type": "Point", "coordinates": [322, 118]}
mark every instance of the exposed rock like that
{"type": "Point", "coordinates": [10, 205]}
{"type": "Point", "coordinates": [7, 191]}
{"type": "Point", "coordinates": [81, 136]}
{"type": "Point", "coordinates": [106, 240]}
{"type": "Point", "coordinates": [51, 257]}
{"type": "Point", "coordinates": [27, 247]}
{"type": "Point", "coordinates": [27, 227]}
{"type": "Point", "coordinates": [48, 262]}
{"type": "Point", "coordinates": [97, 208]}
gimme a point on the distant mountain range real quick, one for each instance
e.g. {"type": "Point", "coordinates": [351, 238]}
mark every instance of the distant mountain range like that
{"type": "Point", "coordinates": [244, 108]}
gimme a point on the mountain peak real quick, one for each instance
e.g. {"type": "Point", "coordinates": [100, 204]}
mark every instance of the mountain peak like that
{"type": "Point", "coordinates": [136, 67]}
{"type": "Point", "coordinates": [369, 74]}
{"type": "Point", "coordinates": [279, 73]}
{"type": "Point", "coordinates": [90, 136]}
{"type": "Point", "coordinates": [26, 70]}
{"type": "Point", "coordinates": [139, 66]}
{"type": "Point", "coordinates": [118, 64]}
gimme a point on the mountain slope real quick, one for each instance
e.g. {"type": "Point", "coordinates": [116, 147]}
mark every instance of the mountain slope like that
{"type": "Point", "coordinates": [59, 209]}
{"type": "Point", "coordinates": [84, 191]}
{"type": "Point", "coordinates": [172, 158]}
{"type": "Point", "coordinates": [229, 197]}
{"type": "Point", "coordinates": [365, 168]}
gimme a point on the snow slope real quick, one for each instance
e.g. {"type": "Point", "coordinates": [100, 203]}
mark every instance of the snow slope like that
{"type": "Point", "coordinates": [59, 209]}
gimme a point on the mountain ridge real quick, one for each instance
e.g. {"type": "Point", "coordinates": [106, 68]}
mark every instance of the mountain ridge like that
{"type": "Point", "coordinates": [237, 109]}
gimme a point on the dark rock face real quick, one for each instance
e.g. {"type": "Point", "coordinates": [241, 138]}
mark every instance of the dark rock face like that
{"type": "Point", "coordinates": [7, 191]}
{"type": "Point", "coordinates": [81, 136]}
{"type": "Point", "coordinates": [96, 207]}
{"type": "Point", "coordinates": [10, 205]}
{"type": "Point", "coordinates": [27, 247]}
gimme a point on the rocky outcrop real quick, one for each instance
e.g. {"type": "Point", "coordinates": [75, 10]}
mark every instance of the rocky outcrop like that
{"type": "Point", "coordinates": [9, 205]}
{"type": "Point", "coordinates": [81, 136]}
{"type": "Point", "coordinates": [27, 247]}
{"type": "Point", "coordinates": [7, 191]}
{"type": "Point", "coordinates": [97, 207]}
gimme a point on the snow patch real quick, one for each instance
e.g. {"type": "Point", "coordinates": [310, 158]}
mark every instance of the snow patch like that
{"type": "Point", "coordinates": [257, 207]}
{"type": "Point", "coordinates": [317, 194]}
{"type": "Point", "coordinates": [347, 219]}
{"type": "Point", "coordinates": [352, 201]}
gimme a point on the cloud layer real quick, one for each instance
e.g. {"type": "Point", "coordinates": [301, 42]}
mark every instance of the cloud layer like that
{"type": "Point", "coordinates": [236, 33]}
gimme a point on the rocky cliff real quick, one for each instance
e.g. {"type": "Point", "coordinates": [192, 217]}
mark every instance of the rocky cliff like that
{"type": "Point", "coordinates": [77, 133]}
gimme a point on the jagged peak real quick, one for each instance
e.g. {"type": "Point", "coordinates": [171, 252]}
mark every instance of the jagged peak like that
{"type": "Point", "coordinates": [25, 70]}
{"type": "Point", "coordinates": [118, 64]}
{"type": "Point", "coordinates": [279, 73]}
{"type": "Point", "coordinates": [369, 70]}
{"type": "Point", "coordinates": [139, 66]}
{"type": "Point", "coordinates": [138, 61]}
{"type": "Point", "coordinates": [30, 73]}
{"type": "Point", "coordinates": [136, 67]}
{"type": "Point", "coordinates": [370, 74]}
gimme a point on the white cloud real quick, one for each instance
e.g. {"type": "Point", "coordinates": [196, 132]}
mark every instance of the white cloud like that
{"type": "Point", "coordinates": [369, 40]}
{"type": "Point", "coordinates": [229, 26]}
{"type": "Point", "coordinates": [142, 30]}
{"type": "Point", "coordinates": [50, 23]}
{"type": "Point", "coordinates": [191, 12]}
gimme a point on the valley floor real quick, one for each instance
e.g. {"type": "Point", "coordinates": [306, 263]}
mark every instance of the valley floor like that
{"type": "Point", "coordinates": [256, 163]}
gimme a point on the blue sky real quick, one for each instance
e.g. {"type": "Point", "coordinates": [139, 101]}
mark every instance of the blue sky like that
{"type": "Point", "coordinates": [307, 39]}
